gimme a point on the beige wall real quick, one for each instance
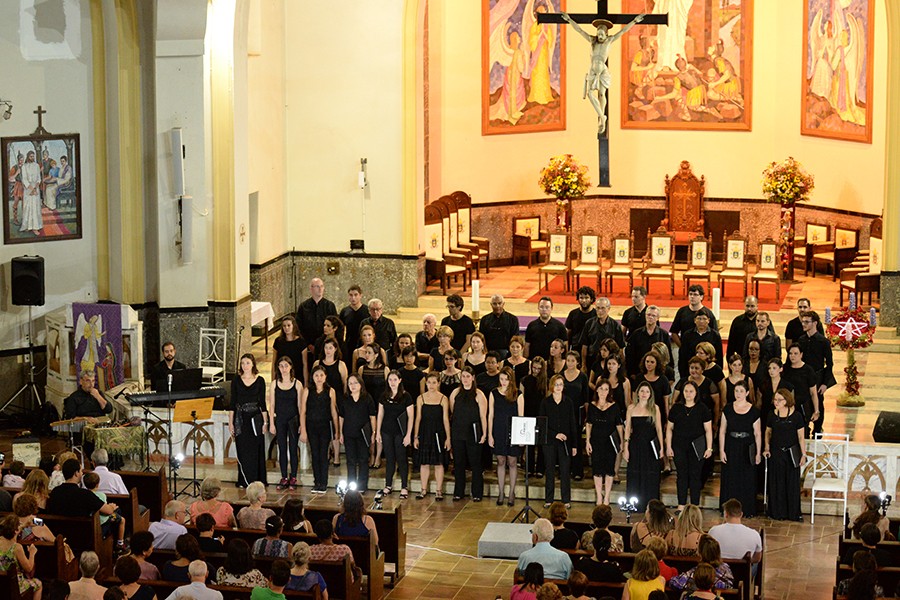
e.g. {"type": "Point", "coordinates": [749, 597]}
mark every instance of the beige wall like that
{"type": "Point", "coordinates": [506, 167]}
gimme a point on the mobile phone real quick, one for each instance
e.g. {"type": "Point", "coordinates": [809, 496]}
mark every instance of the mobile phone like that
{"type": "Point", "coordinates": [38, 521]}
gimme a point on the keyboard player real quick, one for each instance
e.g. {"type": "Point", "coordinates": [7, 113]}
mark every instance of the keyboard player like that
{"type": "Point", "coordinates": [160, 372]}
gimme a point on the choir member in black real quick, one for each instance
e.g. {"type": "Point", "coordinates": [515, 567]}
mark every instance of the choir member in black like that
{"type": "Point", "coordinates": [374, 376]}
{"type": "Point", "coordinates": [516, 360]}
{"type": "Point", "coordinates": [356, 421]}
{"type": "Point", "coordinates": [468, 431]}
{"type": "Point", "coordinates": [412, 376]}
{"type": "Point", "coordinates": [793, 330]}
{"type": "Point", "coordinates": [740, 446]}
{"type": "Point", "coordinates": [652, 373]}
{"type": "Point", "coordinates": [394, 426]}
{"type": "Point", "coordinates": [577, 320]}
{"type": "Point", "coordinates": [436, 358]}
{"type": "Point", "coordinates": [770, 383]}
{"type": "Point", "coordinates": [489, 379]}
{"type": "Point", "coordinates": [366, 337]}
{"type": "Point", "coordinates": [578, 392]}
{"type": "Point", "coordinates": [665, 354]}
{"type": "Point", "coordinates": [641, 341]}
{"type": "Point", "coordinates": [599, 329]}
{"type": "Point", "coordinates": [543, 330]}
{"type": "Point", "coordinates": [284, 420]}
{"type": "Point", "coordinates": [736, 374]}
{"type": "Point", "coordinates": [462, 325]}
{"type": "Point", "coordinates": [764, 335]}
{"type": "Point", "coordinates": [708, 393]}
{"type": "Point", "coordinates": [690, 428]}
{"type": "Point", "coordinates": [432, 435]}
{"type": "Point", "coordinates": [691, 338]}
{"type": "Point", "coordinates": [643, 447]}
{"type": "Point", "coordinates": [291, 344]}
{"type": "Point", "coordinates": [159, 373]}
{"type": "Point", "coordinates": [352, 317]}
{"type": "Point", "coordinates": [336, 376]}
{"type": "Point", "coordinates": [598, 370]}
{"type": "Point", "coordinates": [635, 316]}
{"type": "Point", "coordinates": [449, 377]}
{"type": "Point", "coordinates": [477, 352]}
{"type": "Point", "coordinates": [499, 327]}
{"type": "Point", "coordinates": [426, 339]}
{"type": "Point", "coordinates": [804, 379]}
{"type": "Point", "coordinates": [312, 312]}
{"type": "Point", "coordinates": [817, 354]}
{"type": "Point", "coordinates": [385, 331]}
{"type": "Point", "coordinates": [556, 362]}
{"type": "Point", "coordinates": [713, 370]}
{"type": "Point", "coordinates": [743, 325]}
{"type": "Point", "coordinates": [331, 328]}
{"type": "Point", "coordinates": [684, 317]}
{"type": "Point", "coordinates": [560, 441]}
{"type": "Point", "coordinates": [784, 445]}
{"type": "Point", "coordinates": [620, 392]}
{"type": "Point", "coordinates": [754, 366]}
{"type": "Point", "coordinates": [248, 421]}
{"type": "Point", "coordinates": [87, 400]}
{"type": "Point", "coordinates": [504, 403]}
{"type": "Point", "coordinates": [318, 424]}
{"type": "Point", "coordinates": [605, 432]}
{"type": "Point", "coordinates": [534, 389]}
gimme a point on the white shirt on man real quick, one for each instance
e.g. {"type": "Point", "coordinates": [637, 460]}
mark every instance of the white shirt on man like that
{"type": "Point", "coordinates": [195, 590]}
{"type": "Point", "coordinates": [736, 539]}
{"type": "Point", "coordinates": [165, 533]}
{"type": "Point", "coordinates": [110, 483]}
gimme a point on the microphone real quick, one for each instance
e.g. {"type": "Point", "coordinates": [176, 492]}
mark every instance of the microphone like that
{"type": "Point", "coordinates": [169, 380]}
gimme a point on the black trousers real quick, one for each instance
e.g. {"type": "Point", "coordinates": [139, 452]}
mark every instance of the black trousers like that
{"type": "Point", "coordinates": [467, 455]}
{"type": "Point", "coordinates": [395, 458]}
{"type": "Point", "coordinates": [560, 452]}
{"type": "Point", "coordinates": [689, 472]}
{"type": "Point", "coordinates": [357, 456]}
{"type": "Point", "coordinates": [287, 435]}
{"type": "Point", "coordinates": [578, 459]}
{"type": "Point", "coordinates": [319, 440]}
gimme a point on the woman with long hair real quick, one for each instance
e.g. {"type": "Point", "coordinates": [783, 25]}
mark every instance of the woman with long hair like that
{"type": "Point", "coordinates": [604, 432]}
{"type": "Point", "coordinates": [505, 402]}
{"type": "Point", "coordinates": [12, 552]}
{"type": "Point", "coordinates": [332, 327]}
{"type": "Point", "coordinates": [620, 392]}
{"type": "Point", "coordinates": [684, 540]}
{"type": "Point", "coordinates": [643, 446]}
{"type": "Point", "coordinates": [476, 354]}
{"type": "Point", "coordinates": [657, 522]}
{"type": "Point", "coordinates": [598, 370]}
{"type": "Point", "coordinates": [331, 359]}
{"type": "Point", "coordinates": [38, 485]}
{"type": "Point", "coordinates": [740, 448]}
{"type": "Point", "coordinates": [578, 390]}
{"type": "Point", "coordinates": [871, 514]}
{"type": "Point", "coordinates": [645, 577]}
{"type": "Point", "coordinates": [689, 440]}
{"type": "Point", "coordinates": [556, 363]}
{"type": "Point", "coordinates": [651, 371]}
{"type": "Point", "coordinates": [403, 341]}
{"type": "Point", "coordinates": [284, 420]}
{"type": "Point", "coordinates": [248, 421]}
{"type": "Point", "coordinates": [356, 422]}
{"type": "Point", "coordinates": [516, 360]}
{"type": "Point", "coordinates": [711, 553]}
{"type": "Point", "coordinates": [468, 431]}
{"type": "Point", "coordinates": [532, 580]}
{"type": "Point", "coordinates": [534, 390]}
{"type": "Point", "coordinates": [294, 518]}
{"type": "Point", "coordinates": [786, 448]}
{"type": "Point", "coordinates": [352, 520]}
{"type": "Point", "coordinates": [436, 358]}
{"type": "Point", "coordinates": [291, 343]}
{"type": "Point", "coordinates": [449, 376]}
{"type": "Point", "coordinates": [560, 444]}
{"type": "Point", "coordinates": [432, 435]}
{"type": "Point", "coordinates": [772, 381]}
{"type": "Point", "coordinates": [394, 427]}
{"type": "Point", "coordinates": [735, 374]}
{"type": "Point", "coordinates": [373, 374]}
{"type": "Point", "coordinates": [318, 425]}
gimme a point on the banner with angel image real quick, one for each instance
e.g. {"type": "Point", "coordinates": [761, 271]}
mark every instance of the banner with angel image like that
{"type": "Point", "coordinates": [523, 68]}
{"type": "Point", "coordinates": [98, 342]}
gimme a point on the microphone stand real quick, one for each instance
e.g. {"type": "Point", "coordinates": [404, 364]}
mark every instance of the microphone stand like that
{"type": "Point", "coordinates": [173, 475]}
{"type": "Point", "coordinates": [193, 486]}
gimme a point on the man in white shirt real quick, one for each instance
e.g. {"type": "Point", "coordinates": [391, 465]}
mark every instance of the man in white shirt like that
{"type": "Point", "coordinates": [87, 588]}
{"type": "Point", "coordinates": [110, 483]}
{"type": "Point", "coordinates": [165, 532]}
{"type": "Point", "coordinates": [557, 564]}
{"type": "Point", "coordinates": [197, 588]}
{"type": "Point", "coordinates": [736, 539]}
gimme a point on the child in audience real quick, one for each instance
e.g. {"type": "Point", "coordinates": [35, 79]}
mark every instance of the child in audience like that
{"type": "Point", "coordinates": [110, 524]}
{"type": "Point", "coordinates": [206, 523]}
{"type": "Point", "coordinates": [56, 476]}
{"type": "Point", "coordinates": [279, 577]}
{"type": "Point", "coordinates": [659, 547]}
{"type": "Point", "coordinates": [15, 478]}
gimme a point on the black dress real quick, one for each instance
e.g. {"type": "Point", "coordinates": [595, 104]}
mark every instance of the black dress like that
{"type": "Point", "coordinates": [618, 396]}
{"type": "Point", "coordinates": [520, 370]}
{"type": "Point", "coordinates": [688, 423]}
{"type": "Point", "coordinates": [374, 380]}
{"type": "Point", "coordinates": [449, 383]}
{"type": "Point", "coordinates": [477, 368]}
{"type": "Point", "coordinates": [768, 395]}
{"type": "Point", "coordinates": [660, 389]}
{"type": "Point", "coordinates": [578, 392]}
{"type": "Point", "coordinates": [294, 350]}
{"type": "Point", "coordinates": [465, 436]}
{"type": "Point", "coordinates": [739, 473]}
{"type": "Point", "coordinates": [603, 427]}
{"type": "Point", "coordinates": [533, 398]}
{"type": "Point", "coordinates": [504, 411]}
{"type": "Point", "coordinates": [248, 403]}
{"type": "Point", "coordinates": [784, 477]}
{"type": "Point", "coordinates": [432, 435]}
{"type": "Point", "coordinates": [643, 462]}
{"type": "Point", "coordinates": [803, 378]}
{"type": "Point", "coordinates": [333, 378]}
{"type": "Point", "coordinates": [729, 390]}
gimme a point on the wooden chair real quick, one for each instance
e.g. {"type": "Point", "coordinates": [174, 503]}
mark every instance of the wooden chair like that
{"type": "Point", "coordinates": [449, 222]}
{"type": "Point", "coordinates": [862, 279]}
{"type": "Point", "coordinates": [804, 247]}
{"type": "Point", "coordinates": [588, 259]}
{"type": "Point", "coordinates": [699, 262]}
{"type": "Point", "coordinates": [439, 263]}
{"type": "Point", "coordinates": [620, 260]}
{"type": "Point", "coordinates": [734, 266]}
{"type": "Point", "coordinates": [464, 207]}
{"type": "Point", "coordinates": [659, 263]}
{"type": "Point", "coordinates": [768, 268]}
{"type": "Point", "coordinates": [838, 253]}
{"type": "Point", "coordinates": [529, 239]}
{"type": "Point", "coordinates": [9, 585]}
{"type": "Point", "coordinates": [684, 205]}
{"type": "Point", "coordinates": [558, 258]}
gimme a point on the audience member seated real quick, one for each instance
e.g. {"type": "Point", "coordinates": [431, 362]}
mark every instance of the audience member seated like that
{"type": "Point", "coordinates": [272, 545]}
{"type": "Point", "coordinates": [709, 553]}
{"type": "Point", "coordinates": [278, 579]}
{"type": "Point", "coordinates": [353, 520]}
{"type": "Point", "coordinates": [87, 588]}
{"type": "Point", "coordinates": [128, 571]}
{"type": "Point", "coordinates": [70, 500]}
{"type": "Point", "coordinates": [656, 522]}
{"type": "Point", "coordinates": [56, 475]}
{"type": "Point", "coordinates": [863, 562]}
{"type": "Point", "coordinates": [736, 539]}
{"type": "Point", "coordinates": [187, 550]}
{"type": "Point", "coordinates": [208, 543]}
{"type": "Point", "coordinates": [660, 549]}
{"type": "Point", "coordinates": [685, 538]}
{"type": "Point", "coordinates": [601, 517]}
{"type": "Point", "coordinates": [302, 578]}
{"type": "Point", "coordinates": [645, 577]}
{"type": "Point", "coordinates": [598, 567]}
{"type": "Point", "coordinates": [294, 518]}
{"type": "Point", "coordinates": [110, 483]}
{"type": "Point", "coordinates": [870, 536]}
{"type": "Point", "coordinates": [557, 564]}
{"type": "Point", "coordinates": [578, 583]}
{"type": "Point", "coordinates": [196, 589]}
{"type": "Point", "coordinates": [704, 579]}
{"type": "Point", "coordinates": [170, 528]}
{"type": "Point", "coordinates": [38, 485]}
{"type": "Point", "coordinates": [25, 507]}
{"type": "Point", "coordinates": [114, 593]}
{"type": "Point", "coordinates": [12, 552]}
{"type": "Point", "coordinates": [563, 538]}
{"type": "Point", "coordinates": [222, 512]}
{"type": "Point", "coordinates": [254, 516]}
{"type": "Point", "coordinates": [6, 501]}
{"type": "Point", "coordinates": [871, 514]}
{"type": "Point", "coordinates": [58, 590]}
{"type": "Point", "coordinates": [326, 549]}
{"type": "Point", "coordinates": [14, 479]}
{"type": "Point", "coordinates": [549, 591]}
{"type": "Point", "coordinates": [238, 568]}
{"type": "Point", "coordinates": [141, 549]}
{"type": "Point", "coordinates": [114, 523]}
{"type": "Point", "coordinates": [533, 579]}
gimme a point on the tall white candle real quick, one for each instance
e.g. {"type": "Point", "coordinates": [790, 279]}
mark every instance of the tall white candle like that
{"type": "Point", "coordinates": [476, 289]}
{"type": "Point", "coordinates": [717, 298]}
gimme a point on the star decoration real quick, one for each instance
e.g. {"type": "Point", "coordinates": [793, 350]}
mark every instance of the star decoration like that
{"type": "Point", "coordinates": [851, 328]}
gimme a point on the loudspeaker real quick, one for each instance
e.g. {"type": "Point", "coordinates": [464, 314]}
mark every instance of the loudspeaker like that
{"type": "Point", "coordinates": [27, 280]}
{"type": "Point", "coordinates": [887, 427]}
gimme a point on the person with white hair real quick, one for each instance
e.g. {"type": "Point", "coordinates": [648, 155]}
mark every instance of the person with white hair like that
{"type": "Point", "coordinates": [87, 588]}
{"type": "Point", "coordinates": [254, 516]}
{"type": "Point", "coordinates": [196, 589]}
{"type": "Point", "coordinates": [557, 564]}
{"type": "Point", "coordinates": [167, 530]}
{"type": "Point", "coordinates": [385, 330]}
{"type": "Point", "coordinates": [110, 483]}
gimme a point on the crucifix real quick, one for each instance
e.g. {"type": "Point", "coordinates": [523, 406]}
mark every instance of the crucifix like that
{"type": "Point", "coordinates": [598, 78]}
{"type": "Point", "coordinates": [40, 115]}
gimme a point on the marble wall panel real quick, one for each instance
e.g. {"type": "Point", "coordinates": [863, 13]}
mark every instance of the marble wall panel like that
{"type": "Point", "coordinates": [890, 300]}
{"type": "Point", "coordinates": [182, 328]}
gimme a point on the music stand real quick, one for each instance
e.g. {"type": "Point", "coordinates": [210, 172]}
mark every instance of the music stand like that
{"type": "Point", "coordinates": [188, 411]}
{"type": "Point", "coordinates": [527, 431]}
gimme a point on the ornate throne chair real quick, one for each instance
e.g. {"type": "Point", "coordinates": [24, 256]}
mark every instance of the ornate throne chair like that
{"type": "Point", "coordinates": [684, 205]}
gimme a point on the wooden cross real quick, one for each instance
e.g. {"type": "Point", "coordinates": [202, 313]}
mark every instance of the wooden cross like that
{"type": "Point", "coordinates": [40, 115]}
{"type": "Point", "coordinates": [615, 19]}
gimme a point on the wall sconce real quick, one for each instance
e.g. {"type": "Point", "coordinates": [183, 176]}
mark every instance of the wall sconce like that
{"type": "Point", "coordinates": [8, 112]}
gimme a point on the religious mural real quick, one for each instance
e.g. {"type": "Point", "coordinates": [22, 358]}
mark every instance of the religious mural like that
{"type": "Point", "coordinates": [523, 68]}
{"type": "Point", "coordinates": [695, 73]}
{"type": "Point", "coordinates": [837, 76]}
{"type": "Point", "coordinates": [42, 195]}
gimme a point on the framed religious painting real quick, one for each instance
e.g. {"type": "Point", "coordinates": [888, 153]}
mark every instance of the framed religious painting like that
{"type": "Point", "coordinates": [523, 67]}
{"type": "Point", "coordinates": [42, 195]}
{"type": "Point", "coordinates": [694, 73]}
{"type": "Point", "coordinates": [836, 95]}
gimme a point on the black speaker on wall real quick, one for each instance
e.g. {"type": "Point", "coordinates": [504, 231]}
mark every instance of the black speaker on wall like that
{"type": "Point", "coordinates": [887, 427]}
{"type": "Point", "coordinates": [27, 280]}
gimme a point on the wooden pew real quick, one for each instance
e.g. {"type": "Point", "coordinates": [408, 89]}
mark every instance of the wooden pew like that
{"type": "Point", "coordinates": [888, 577]}
{"type": "Point", "coordinates": [9, 585]}
{"type": "Point", "coordinates": [580, 527]}
{"type": "Point", "coordinates": [50, 561]}
{"type": "Point", "coordinates": [740, 568]}
{"type": "Point", "coordinates": [598, 589]}
{"type": "Point", "coordinates": [164, 588]}
{"type": "Point", "coordinates": [152, 489]}
{"type": "Point", "coordinates": [129, 507]}
{"type": "Point", "coordinates": [844, 546]}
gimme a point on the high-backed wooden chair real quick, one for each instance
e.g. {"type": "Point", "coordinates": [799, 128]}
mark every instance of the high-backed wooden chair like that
{"type": "Point", "coordinates": [684, 205]}
{"type": "Point", "coordinates": [768, 268]}
{"type": "Point", "coordinates": [588, 259]}
{"type": "Point", "coordinates": [838, 253]}
{"type": "Point", "coordinates": [734, 265]}
{"type": "Point", "coordinates": [865, 279]}
{"type": "Point", "coordinates": [804, 246]}
{"type": "Point", "coordinates": [620, 260]}
{"type": "Point", "coordinates": [699, 262]}
{"type": "Point", "coordinates": [529, 239]}
{"type": "Point", "coordinates": [466, 239]}
{"type": "Point", "coordinates": [659, 263]}
{"type": "Point", "coordinates": [450, 221]}
{"type": "Point", "coordinates": [439, 263]}
{"type": "Point", "coordinates": [558, 258]}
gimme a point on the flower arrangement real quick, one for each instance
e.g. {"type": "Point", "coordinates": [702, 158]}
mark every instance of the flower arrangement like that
{"type": "Point", "coordinates": [564, 178]}
{"type": "Point", "coordinates": [852, 328]}
{"type": "Point", "coordinates": [787, 182]}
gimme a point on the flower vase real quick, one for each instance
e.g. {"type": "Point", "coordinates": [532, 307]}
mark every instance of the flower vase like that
{"type": "Point", "coordinates": [564, 214]}
{"type": "Point", "coordinates": [786, 241]}
{"type": "Point", "coordinates": [851, 397]}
